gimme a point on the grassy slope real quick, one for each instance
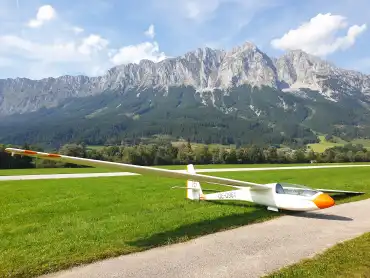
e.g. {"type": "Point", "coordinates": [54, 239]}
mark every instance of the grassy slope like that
{"type": "Point", "coordinates": [349, 259]}
{"type": "Point", "coordinates": [323, 145]}
{"type": "Point", "coordinates": [95, 147]}
{"type": "Point", "coordinates": [54, 224]}
{"type": "Point", "coordinates": [317, 147]}
{"type": "Point", "coordinates": [364, 142]}
{"type": "Point", "coordinates": [197, 145]}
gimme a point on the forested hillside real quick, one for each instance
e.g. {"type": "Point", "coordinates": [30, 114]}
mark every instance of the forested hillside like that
{"type": "Point", "coordinates": [242, 115]}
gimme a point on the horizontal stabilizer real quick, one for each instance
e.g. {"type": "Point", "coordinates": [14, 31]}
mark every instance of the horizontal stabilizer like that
{"type": "Point", "coordinates": [183, 187]}
{"type": "Point", "coordinates": [198, 189]}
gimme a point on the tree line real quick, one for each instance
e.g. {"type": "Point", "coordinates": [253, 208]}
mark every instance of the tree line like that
{"type": "Point", "coordinates": [167, 154]}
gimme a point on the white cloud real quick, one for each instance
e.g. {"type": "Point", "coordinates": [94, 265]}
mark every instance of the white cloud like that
{"type": "Point", "coordinates": [199, 8]}
{"type": "Point", "coordinates": [58, 51]}
{"type": "Point", "coordinates": [185, 9]}
{"type": "Point", "coordinates": [92, 44]}
{"type": "Point", "coordinates": [202, 10]}
{"type": "Point", "coordinates": [44, 14]}
{"type": "Point", "coordinates": [33, 59]}
{"type": "Point", "coordinates": [150, 32]}
{"type": "Point", "coordinates": [68, 51]}
{"type": "Point", "coordinates": [135, 53]}
{"type": "Point", "coordinates": [319, 35]}
{"type": "Point", "coordinates": [77, 29]}
{"type": "Point", "coordinates": [90, 55]}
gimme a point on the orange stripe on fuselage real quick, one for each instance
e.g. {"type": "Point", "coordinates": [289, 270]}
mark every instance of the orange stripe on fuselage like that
{"type": "Point", "coordinates": [29, 152]}
{"type": "Point", "coordinates": [53, 155]}
{"type": "Point", "coordinates": [50, 155]}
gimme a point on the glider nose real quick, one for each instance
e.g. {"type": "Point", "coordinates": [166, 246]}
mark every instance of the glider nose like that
{"type": "Point", "coordinates": [324, 201]}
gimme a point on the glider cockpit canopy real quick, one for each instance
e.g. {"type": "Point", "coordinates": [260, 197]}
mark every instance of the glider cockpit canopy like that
{"type": "Point", "coordinates": [295, 189]}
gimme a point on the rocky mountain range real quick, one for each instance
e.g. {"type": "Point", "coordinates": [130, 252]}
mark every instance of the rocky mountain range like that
{"type": "Point", "coordinates": [296, 78]}
{"type": "Point", "coordinates": [205, 69]}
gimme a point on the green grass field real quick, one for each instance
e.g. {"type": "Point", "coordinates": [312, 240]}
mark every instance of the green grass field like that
{"type": "Point", "coordinates": [46, 171]}
{"type": "Point", "coordinates": [349, 259]}
{"type": "Point", "coordinates": [48, 225]}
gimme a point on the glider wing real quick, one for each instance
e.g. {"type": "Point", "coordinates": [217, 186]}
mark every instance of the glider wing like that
{"type": "Point", "coordinates": [138, 169]}
{"type": "Point", "coordinates": [340, 191]}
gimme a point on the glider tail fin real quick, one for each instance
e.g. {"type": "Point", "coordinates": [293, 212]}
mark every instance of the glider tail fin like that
{"type": "Point", "coordinates": [193, 191]}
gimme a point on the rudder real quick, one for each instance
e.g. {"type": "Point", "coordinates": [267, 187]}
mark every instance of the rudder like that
{"type": "Point", "coordinates": [193, 191]}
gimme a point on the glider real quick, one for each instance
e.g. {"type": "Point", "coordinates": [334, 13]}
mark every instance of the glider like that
{"type": "Point", "coordinates": [275, 196]}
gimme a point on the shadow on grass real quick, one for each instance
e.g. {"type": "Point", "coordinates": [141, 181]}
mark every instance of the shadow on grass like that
{"type": "Point", "coordinates": [337, 197]}
{"type": "Point", "coordinates": [346, 197]}
{"type": "Point", "coordinates": [193, 230]}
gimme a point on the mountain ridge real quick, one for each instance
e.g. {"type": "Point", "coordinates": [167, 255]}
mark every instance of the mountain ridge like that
{"type": "Point", "coordinates": [217, 96]}
{"type": "Point", "coordinates": [205, 69]}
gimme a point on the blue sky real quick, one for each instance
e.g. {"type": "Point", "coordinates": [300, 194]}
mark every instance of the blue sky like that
{"type": "Point", "coordinates": [52, 38]}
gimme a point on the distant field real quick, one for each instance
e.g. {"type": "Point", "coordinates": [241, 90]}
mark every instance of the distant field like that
{"type": "Point", "coordinates": [48, 225]}
{"type": "Point", "coordinates": [94, 147]}
{"type": "Point", "coordinates": [197, 145]}
{"type": "Point", "coordinates": [364, 142]}
{"type": "Point", "coordinates": [317, 147]}
{"type": "Point", "coordinates": [323, 145]}
{"type": "Point", "coordinates": [176, 144]}
{"type": "Point", "coordinates": [349, 259]}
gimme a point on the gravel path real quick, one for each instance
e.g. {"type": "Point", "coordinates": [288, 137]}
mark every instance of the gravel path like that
{"type": "Point", "coordinates": [249, 251]}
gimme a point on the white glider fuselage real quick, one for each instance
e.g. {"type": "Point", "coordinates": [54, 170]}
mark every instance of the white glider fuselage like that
{"type": "Point", "coordinates": [275, 201]}
{"type": "Point", "coordinates": [275, 196]}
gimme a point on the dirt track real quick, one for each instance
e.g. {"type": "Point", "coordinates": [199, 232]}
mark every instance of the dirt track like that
{"type": "Point", "coordinates": [249, 251]}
